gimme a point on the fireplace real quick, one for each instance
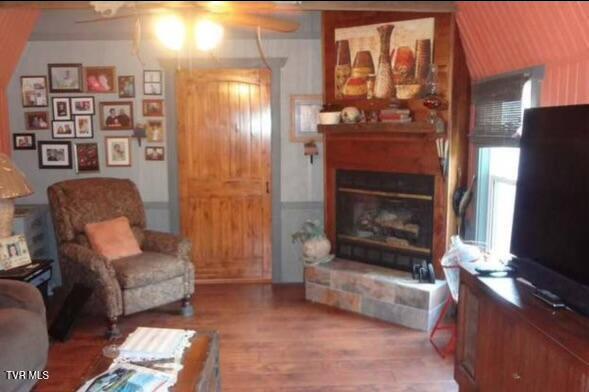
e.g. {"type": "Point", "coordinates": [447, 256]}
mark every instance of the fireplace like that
{"type": "Point", "coordinates": [384, 218]}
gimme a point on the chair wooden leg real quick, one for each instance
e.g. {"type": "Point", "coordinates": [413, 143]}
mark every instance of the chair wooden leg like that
{"type": "Point", "coordinates": [113, 331]}
{"type": "Point", "coordinates": [187, 310]}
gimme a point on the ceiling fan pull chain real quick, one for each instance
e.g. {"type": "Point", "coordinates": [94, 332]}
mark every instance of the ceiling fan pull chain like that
{"type": "Point", "coordinates": [260, 49]}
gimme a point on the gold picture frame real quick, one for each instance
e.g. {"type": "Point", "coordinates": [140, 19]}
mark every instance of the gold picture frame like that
{"type": "Point", "coordinates": [14, 252]}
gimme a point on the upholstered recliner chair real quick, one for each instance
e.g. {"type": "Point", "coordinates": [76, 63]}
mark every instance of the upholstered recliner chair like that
{"type": "Point", "coordinates": [161, 274]}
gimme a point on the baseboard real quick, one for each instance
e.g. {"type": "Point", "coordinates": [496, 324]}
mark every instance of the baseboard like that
{"type": "Point", "coordinates": [234, 281]}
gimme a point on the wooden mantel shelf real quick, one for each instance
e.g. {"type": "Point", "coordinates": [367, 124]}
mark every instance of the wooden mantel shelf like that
{"type": "Point", "coordinates": [412, 128]}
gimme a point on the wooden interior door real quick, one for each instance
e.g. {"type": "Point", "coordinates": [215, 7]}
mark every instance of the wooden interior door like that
{"type": "Point", "coordinates": [224, 128]}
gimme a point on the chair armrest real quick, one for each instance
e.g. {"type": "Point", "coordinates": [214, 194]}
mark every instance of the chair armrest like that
{"type": "Point", "coordinates": [95, 271]}
{"type": "Point", "coordinates": [21, 295]}
{"type": "Point", "coordinates": [167, 243]}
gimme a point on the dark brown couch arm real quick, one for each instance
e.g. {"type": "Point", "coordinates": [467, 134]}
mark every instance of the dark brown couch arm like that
{"type": "Point", "coordinates": [20, 295]}
{"type": "Point", "coordinates": [84, 266]}
{"type": "Point", "coordinates": [170, 244]}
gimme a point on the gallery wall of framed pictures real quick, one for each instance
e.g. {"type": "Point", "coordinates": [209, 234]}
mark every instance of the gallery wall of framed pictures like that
{"type": "Point", "coordinates": [71, 108]}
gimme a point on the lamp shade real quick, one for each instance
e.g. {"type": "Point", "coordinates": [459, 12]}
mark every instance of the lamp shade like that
{"type": "Point", "coordinates": [12, 182]}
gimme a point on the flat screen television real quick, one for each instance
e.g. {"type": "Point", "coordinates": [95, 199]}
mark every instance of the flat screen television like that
{"type": "Point", "coordinates": [551, 216]}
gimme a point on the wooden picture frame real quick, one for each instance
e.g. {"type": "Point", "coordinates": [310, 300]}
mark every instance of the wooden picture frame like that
{"type": "Point", "coordinates": [65, 78]}
{"type": "Point", "coordinates": [155, 153]}
{"type": "Point", "coordinates": [348, 75]}
{"type": "Point", "coordinates": [118, 151]}
{"type": "Point", "coordinates": [33, 91]}
{"type": "Point", "coordinates": [100, 79]}
{"type": "Point", "coordinates": [65, 129]}
{"type": "Point", "coordinates": [126, 86]}
{"type": "Point", "coordinates": [304, 118]}
{"type": "Point", "coordinates": [54, 155]}
{"type": "Point", "coordinates": [153, 108]}
{"type": "Point", "coordinates": [23, 141]}
{"type": "Point", "coordinates": [14, 252]}
{"type": "Point", "coordinates": [111, 118]}
{"type": "Point", "coordinates": [37, 121]}
{"type": "Point", "coordinates": [84, 127]}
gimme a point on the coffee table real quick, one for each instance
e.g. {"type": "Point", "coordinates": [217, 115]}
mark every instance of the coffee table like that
{"type": "Point", "coordinates": [200, 372]}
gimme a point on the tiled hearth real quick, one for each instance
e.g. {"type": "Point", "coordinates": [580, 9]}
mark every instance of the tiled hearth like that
{"type": "Point", "coordinates": [378, 292]}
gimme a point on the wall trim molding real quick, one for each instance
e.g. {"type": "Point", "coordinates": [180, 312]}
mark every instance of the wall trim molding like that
{"type": "Point", "coordinates": [302, 205]}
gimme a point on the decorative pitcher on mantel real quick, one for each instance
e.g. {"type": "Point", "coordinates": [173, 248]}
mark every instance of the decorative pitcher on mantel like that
{"type": "Point", "coordinates": [383, 84]}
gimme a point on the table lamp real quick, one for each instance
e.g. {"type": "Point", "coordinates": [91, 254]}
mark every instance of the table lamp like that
{"type": "Point", "coordinates": [12, 185]}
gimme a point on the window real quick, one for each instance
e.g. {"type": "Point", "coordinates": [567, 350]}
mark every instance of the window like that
{"type": "Point", "coordinates": [497, 136]}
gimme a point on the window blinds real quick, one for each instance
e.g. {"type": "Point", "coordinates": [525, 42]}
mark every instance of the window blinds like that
{"type": "Point", "coordinates": [498, 110]}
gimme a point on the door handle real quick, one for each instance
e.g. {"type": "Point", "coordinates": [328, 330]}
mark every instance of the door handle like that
{"type": "Point", "coordinates": [268, 187]}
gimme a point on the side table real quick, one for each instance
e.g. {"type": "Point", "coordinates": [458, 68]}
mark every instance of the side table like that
{"type": "Point", "coordinates": [38, 273]}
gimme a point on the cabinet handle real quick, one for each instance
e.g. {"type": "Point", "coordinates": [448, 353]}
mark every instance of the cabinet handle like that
{"type": "Point", "coordinates": [516, 376]}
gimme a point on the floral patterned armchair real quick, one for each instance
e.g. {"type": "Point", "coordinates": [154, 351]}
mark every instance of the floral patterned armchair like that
{"type": "Point", "coordinates": [161, 274]}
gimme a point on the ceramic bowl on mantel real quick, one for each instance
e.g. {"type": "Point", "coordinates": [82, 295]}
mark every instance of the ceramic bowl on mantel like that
{"type": "Point", "coordinates": [329, 118]}
{"type": "Point", "coordinates": [351, 115]}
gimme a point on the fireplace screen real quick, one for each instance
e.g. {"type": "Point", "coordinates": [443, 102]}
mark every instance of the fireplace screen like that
{"type": "Point", "coordinates": [384, 218]}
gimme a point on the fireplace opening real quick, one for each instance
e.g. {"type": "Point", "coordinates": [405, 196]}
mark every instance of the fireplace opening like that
{"type": "Point", "coordinates": [384, 219]}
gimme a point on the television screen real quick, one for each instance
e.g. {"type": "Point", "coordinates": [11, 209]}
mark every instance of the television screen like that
{"type": "Point", "coordinates": [551, 217]}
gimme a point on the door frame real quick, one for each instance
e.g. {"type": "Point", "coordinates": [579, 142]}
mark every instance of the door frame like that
{"type": "Point", "coordinates": [170, 67]}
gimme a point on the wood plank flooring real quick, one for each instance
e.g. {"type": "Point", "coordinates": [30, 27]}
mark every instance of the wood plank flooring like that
{"type": "Point", "coordinates": [273, 340]}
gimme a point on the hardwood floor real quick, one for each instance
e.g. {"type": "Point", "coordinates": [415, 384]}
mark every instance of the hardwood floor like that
{"type": "Point", "coordinates": [273, 340]}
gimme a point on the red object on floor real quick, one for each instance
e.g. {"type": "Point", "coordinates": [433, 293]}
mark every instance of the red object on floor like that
{"type": "Point", "coordinates": [451, 345]}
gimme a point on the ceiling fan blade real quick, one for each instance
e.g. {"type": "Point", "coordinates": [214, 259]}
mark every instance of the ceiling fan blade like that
{"type": "Point", "coordinates": [116, 17]}
{"type": "Point", "coordinates": [249, 20]}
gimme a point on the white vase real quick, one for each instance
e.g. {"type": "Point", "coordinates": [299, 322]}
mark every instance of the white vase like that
{"type": "Point", "coordinates": [316, 250]}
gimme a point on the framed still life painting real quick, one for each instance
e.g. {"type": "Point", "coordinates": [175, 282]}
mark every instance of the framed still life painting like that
{"type": "Point", "coordinates": [375, 57]}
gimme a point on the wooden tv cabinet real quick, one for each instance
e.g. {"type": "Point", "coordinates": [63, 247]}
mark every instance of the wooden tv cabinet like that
{"type": "Point", "coordinates": [508, 340]}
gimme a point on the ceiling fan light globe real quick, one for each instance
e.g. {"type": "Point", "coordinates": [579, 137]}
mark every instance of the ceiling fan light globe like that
{"type": "Point", "coordinates": [207, 34]}
{"type": "Point", "coordinates": [171, 31]}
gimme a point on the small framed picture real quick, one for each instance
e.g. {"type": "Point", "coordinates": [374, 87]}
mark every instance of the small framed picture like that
{"type": "Point", "coordinates": [153, 153]}
{"type": "Point", "coordinates": [152, 82]}
{"type": "Point", "coordinates": [83, 126]}
{"type": "Point", "coordinates": [23, 141]}
{"type": "Point", "coordinates": [14, 252]}
{"type": "Point", "coordinates": [155, 131]}
{"type": "Point", "coordinates": [304, 117]}
{"type": "Point", "coordinates": [65, 78]}
{"type": "Point", "coordinates": [86, 157]}
{"type": "Point", "coordinates": [36, 121]}
{"type": "Point", "coordinates": [61, 108]}
{"type": "Point", "coordinates": [55, 155]}
{"type": "Point", "coordinates": [100, 79]}
{"type": "Point", "coordinates": [82, 105]}
{"type": "Point", "coordinates": [116, 116]}
{"type": "Point", "coordinates": [63, 129]}
{"type": "Point", "coordinates": [34, 91]}
{"type": "Point", "coordinates": [118, 151]}
{"type": "Point", "coordinates": [153, 107]}
{"type": "Point", "coordinates": [126, 86]}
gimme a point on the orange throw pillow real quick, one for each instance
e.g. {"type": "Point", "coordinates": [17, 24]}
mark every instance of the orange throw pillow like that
{"type": "Point", "coordinates": [112, 239]}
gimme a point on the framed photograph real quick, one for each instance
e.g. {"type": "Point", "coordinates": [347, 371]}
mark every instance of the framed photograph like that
{"type": "Point", "coordinates": [118, 151]}
{"type": "Point", "coordinates": [86, 157]}
{"type": "Point", "coordinates": [126, 86]}
{"type": "Point", "coordinates": [61, 108]}
{"type": "Point", "coordinates": [154, 153]}
{"type": "Point", "coordinates": [65, 78]}
{"type": "Point", "coordinates": [100, 79]}
{"type": "Point", "coordinates": [83, 126]}
{"type": "Point", "coordinates": [23, 141]}
{"type": "Point", "coordinates": [155, 131]}
{"type": "Point", "coordinates": [153, 107]}
{"type": "Point", "coordinates": [63, 129]}
{"type": "Point", "coordinates": [304, 117]}
{"type": "Point", "coordinates": [33, 91]}
{"type": "Point", "coordinates": [82, 105]}
{"type": "Point", "coordinates": [55, 155]}
{"type": "Point", "coordinates": [36, 121]}
{"type": "Point", "coordinates": [116, 116]}
{"type": "Point", "coordinates": [152, 82]}
{"type": "Point", "coordinates": [14, 252]}
{"type": "Point", "coordinates": [352, 51]}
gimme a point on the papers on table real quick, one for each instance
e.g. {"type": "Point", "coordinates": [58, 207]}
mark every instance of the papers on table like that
{"type": "Point", "coordinates": [155, 343]}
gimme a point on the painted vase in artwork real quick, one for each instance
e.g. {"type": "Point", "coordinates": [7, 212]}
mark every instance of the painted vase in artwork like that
{"type": "Point", "coordinates": [383, 84]}
{"type": "Point", "coordinates": [356, 86]}
{"type": "Point", "coordinates": [403, 65]}
{"type": "Point", "coordinates": [343, 67]}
